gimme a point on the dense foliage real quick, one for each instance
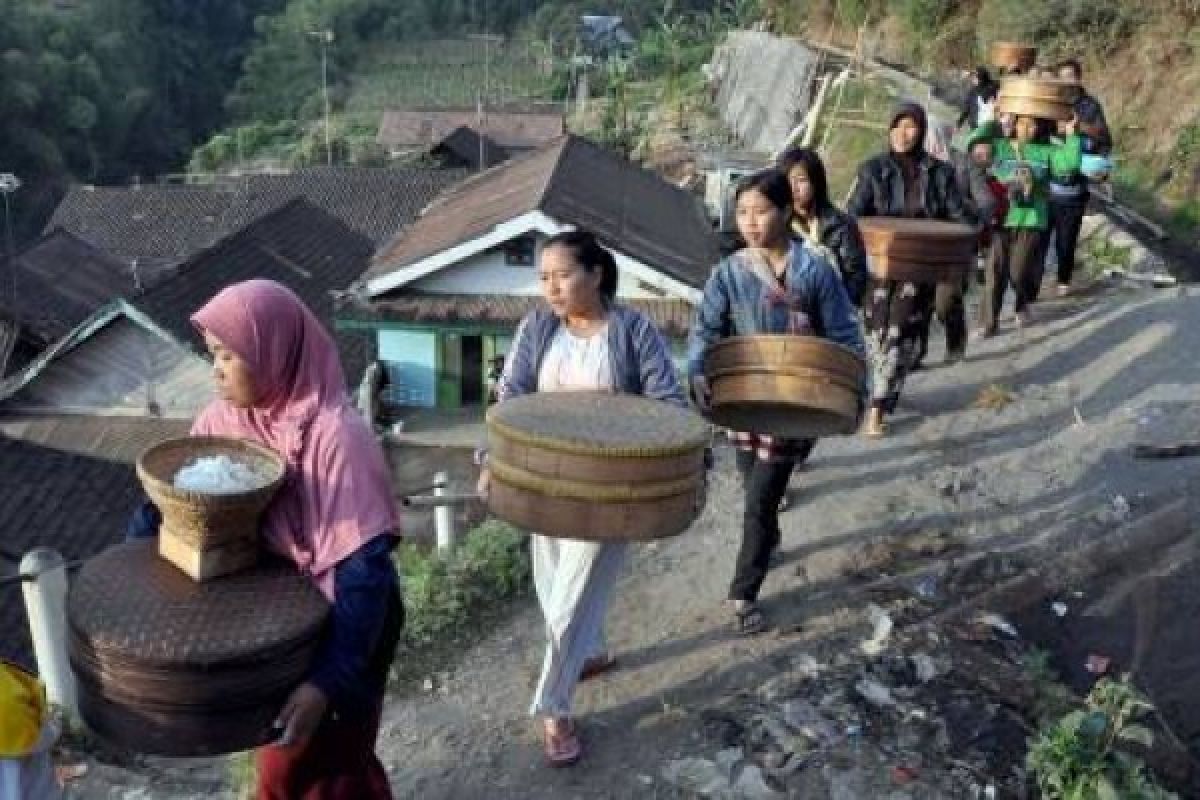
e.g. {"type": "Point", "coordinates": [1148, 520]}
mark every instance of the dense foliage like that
{"type": "Point", "coordinates": [108, 89]}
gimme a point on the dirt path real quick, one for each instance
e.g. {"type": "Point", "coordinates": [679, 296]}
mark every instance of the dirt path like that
{"type": "Point", "coordinates": [1052, 466]}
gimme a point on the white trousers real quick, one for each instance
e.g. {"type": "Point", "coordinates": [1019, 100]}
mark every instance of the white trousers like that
{"type": "Point", "coordinates": [574, 581]}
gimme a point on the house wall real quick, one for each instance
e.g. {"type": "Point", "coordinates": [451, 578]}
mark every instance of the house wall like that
{"type": "Point", "coordinates": [121, 369]}
{"type": "Point", "coordinates": [487, 273]}
{"type": "Point", "coordinates": [411, 359]}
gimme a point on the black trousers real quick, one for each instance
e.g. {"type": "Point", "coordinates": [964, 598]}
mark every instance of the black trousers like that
{"type": "Point", "coordinates": [1066, 220]}
{"type": "Point", "coordinates": [765, 484]}
{"type": "Point", "coordinates": [950, 308]}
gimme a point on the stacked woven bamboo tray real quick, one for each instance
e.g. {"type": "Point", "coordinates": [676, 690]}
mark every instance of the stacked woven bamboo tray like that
{"type": "Point", "coordinates": [168, 666]}
{"type": "Point", "coordinates": [595, 466]}
{"type": "Point", "coordinates": [208, 535]}
{"type": "Point", "coordinates": [784, 385]}
{"type": "Point", "coordinates": [1037, 97]}
{"type": "Point", "coordinates": [918, 250]}
{"type": "Point", "coordinates": [1011, 55]}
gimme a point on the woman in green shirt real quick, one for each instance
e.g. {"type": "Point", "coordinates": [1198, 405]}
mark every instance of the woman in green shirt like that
{"type": "Point", "coordinates": [1025, 162]}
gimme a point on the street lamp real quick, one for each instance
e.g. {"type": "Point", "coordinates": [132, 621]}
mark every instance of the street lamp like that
{"type": "Point", "coordinates": [9, 183]}
{"type": "Point", "coordinates": [326, 39]}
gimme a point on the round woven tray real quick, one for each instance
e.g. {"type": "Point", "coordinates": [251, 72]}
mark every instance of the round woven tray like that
{"type": "Point", "coordinates": [791, 386]}
{"type": "Point", "coordinates": [1030, 107]}
{"type": "Point", "coordinates": [1037, 97]}
{"type": "Point", "coordinates": [589, 465]}
{"type": "Point", "coordinates": [209, 519]}
{"type": "Point", "coordinates": [919, 250]}
{"type": "Point", "coordinates": [1011, 54]}
{"type": "Point", "coordinates": [168, 666]}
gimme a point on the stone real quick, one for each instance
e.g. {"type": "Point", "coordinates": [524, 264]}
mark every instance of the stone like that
{"type": "Point", "coordinates": [752, 785]}
{"type": "Point", "coordinates": [875, 693]}
{"type": "Point", "coordinates": [698, 775]}
{"type": "Point", "coordinates": [728, 760]}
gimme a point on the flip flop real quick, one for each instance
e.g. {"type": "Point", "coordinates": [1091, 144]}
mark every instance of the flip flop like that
{"type": "Point", "coordinates": [597, 665]}
{"type": "Point", "coordinates": [562, 749]}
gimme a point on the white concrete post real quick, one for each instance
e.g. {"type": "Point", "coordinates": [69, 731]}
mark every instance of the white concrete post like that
{"type": "Point", "coordinates": [44, 586]}
{"type": "Point", "coordinates": [443, 515]}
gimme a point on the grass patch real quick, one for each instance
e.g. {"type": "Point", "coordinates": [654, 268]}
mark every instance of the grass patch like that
{"type": "Point", "coordinates": [446, 74]}
{"type": "Point", "coordinates": [994, 397]}
{"type": "Point", "coordinates": [450, 600]}
{"type": "Point", "coordinates": [243, 776]}
{"type": "Point", "coordinates": [1051, 698]}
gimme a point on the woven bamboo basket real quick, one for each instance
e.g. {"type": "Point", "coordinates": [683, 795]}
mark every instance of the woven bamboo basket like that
{"type": "Point", "coordinates": [1012, 55]}
{"type": "Point", "coordinates": [918, 250]}
{"type": "Point", "coordinates": [208, 535]}
{"type": "Point", "coordinates": [1037, 97]}
{"type": "Point", "coordinates": [791, 386]}
{"type": "Point", "coordinates": [167, 666]}
{"type": "Point", "coordinates": [594, 466]}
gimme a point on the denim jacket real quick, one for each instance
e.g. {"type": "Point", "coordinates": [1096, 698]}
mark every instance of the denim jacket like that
{"type": "Point", "coordinates": [734, 305]}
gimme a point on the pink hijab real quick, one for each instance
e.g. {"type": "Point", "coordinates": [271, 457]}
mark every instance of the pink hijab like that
{"type": "Point", "coordinates": [337, 495]}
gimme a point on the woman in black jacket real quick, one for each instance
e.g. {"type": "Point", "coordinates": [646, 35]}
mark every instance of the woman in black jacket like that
{"type": "Point", "coordinates": [820, 224]}
{"type": "Point", "coordinates": [905, 181]}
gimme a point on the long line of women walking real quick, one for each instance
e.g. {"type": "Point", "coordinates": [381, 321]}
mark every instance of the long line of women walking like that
{"type": "Point", "coordinates": [803, 269]}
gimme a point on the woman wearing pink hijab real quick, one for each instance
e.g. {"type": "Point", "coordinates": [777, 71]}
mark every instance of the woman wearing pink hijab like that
{"type": "Point", "coordinates": [279, 382]}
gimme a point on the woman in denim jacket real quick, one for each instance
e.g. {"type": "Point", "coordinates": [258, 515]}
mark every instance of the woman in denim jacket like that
{"type": "Point", "coordinates": [773, 285]}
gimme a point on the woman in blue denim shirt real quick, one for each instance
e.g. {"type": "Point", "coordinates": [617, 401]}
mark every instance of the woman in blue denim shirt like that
{"type": "Point", "coordinates": [773, 285]}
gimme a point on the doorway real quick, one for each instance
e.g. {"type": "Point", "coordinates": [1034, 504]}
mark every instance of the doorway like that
{"type": "Point", "coordinates": [472, 371]}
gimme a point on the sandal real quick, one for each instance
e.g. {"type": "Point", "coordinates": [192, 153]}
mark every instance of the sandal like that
{"type": "Point", "coordinates": [597, 665]}
{"type": "Point", "coordinates": [749, 620]}
{"type": "Point", "coordinates": [563, 748]}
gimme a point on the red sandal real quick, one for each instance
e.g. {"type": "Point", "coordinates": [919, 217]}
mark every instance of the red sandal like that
{"type": "Point", "coordinates": [563, 749]}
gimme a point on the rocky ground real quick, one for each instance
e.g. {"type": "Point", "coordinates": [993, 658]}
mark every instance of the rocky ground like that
{"type": "Point", "coordinates": [881, 678]}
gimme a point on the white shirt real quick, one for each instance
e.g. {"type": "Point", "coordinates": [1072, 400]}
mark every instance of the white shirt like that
{"type": "Point", "coordinates": [576, 363]}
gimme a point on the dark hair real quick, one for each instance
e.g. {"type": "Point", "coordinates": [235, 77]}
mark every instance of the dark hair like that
{"type": "Point", "coordinates": [771, 183]}
{"type": "Point", "coordinates": [1074, 65]}
{"type": "Point", "coordinates": [808, 160]}
{"type": "Point", "coordinates": [983, 76]}
{"type": "Point", "coordinates": [1043, 128]}
{"type": "Point", "coordinates": [588, 253]}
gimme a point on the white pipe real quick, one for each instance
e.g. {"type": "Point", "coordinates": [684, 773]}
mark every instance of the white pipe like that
{"type": "Point", "coordinates": [44, 574]}
{"type": "Point", "coordinates": [443, 515]}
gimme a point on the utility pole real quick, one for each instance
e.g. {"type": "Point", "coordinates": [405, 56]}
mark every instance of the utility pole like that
{"type": "Point", "coordinates": [326, 39]}
{"type": "Point", "coordinates": [481, 101]}
{"type": "Point", "coordinates": [9, 183]}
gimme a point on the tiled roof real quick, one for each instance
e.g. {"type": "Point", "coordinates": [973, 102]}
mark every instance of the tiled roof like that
{"type": "Point", "coordinates": [422, 128]}
{"type": "Point", "coordinates": [300, 246]}
{"type": "Point", "coordinates": [673, 316]}
{"type": "Point", "coordinates": [62, 280]}
{"type": "Point", "coordinates": [161, 225]}
{"type": "Point", "coordinates": [373, 202]}
{"type": "Point", "coordinates": [156, 224]}
{"type": "Point", "coordinates": [75, 500]}
{"type": "Point", "coordinates": [577, 183]}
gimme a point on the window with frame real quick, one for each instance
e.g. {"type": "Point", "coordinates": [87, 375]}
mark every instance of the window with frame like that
{"type": "Point", "coordinates": [520, 252]}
